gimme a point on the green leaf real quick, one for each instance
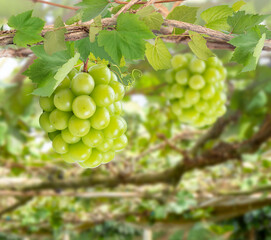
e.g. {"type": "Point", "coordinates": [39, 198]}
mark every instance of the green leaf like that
{"type": "Point", "coordinates": [237, 5]}
{"type": "Point", "coordinates": [48, 71]}
{"type": "Point", "coordinates": [85, 47]}
{"type": "Point", "coordinates": [151, 18]}
{"type": "Point", "coordinates": [257, 102]}
{"type": "Point", "coordinates": [127, 40]}
{"type": "Point", "coordinates": [158, 55]}
{"type": "Point", "coordinates": [92, 8]}
{"type": "Point", "coordinates": [248, 48]}
{"type": "Point", "coordinates": [183, 14]}
{"type": "Point", "coordinates": [241, 22]}
{"type": "Point", "coordinates": [198, 46]}
{"type": "Point", "coordinates": [54, 41]}
{"type": "Point", "coordinates": [28, 28]}
{"type": "Point", "coordinates": [95, 28]}
{"type": "Point", "coordinates": [216, 17]}
{"type": "Point", "coordinates": [76, 18]}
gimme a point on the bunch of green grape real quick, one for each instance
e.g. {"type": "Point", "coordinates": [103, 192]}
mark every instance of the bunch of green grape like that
{"type": "Point", "coordinates": [82, 117]}
{"type": "Point", "coordinates": [196, 89]}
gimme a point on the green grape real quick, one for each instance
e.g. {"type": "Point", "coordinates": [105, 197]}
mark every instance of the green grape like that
{"type": "Point", "coordinates": [207, 92]}
{"type": "Point", "coordinates": [120, 143]}
{"type": "Point", "coordinates": [168, 92]}
{"type": "Point", "coordinates": [100, 73]}
{"type": "Point", "coordinates": [221, 111]}
{"type": "Point", "coordinates": [196, 82]}
{"type": "Point", "coordinates": [117, 126]}
{"type": "Point", "coordinates": [178, 61]}
{"type": "Point", "coordinates": [211, 75]}
{"type": "Point", "coordinates": [185, 104]}
{"type": "Point", "coordinates": [118, 89]}
{"type": "Point", "coordinates": [93, 138]}
{"type": "Point", "coordinates": [108, 156]}
{"type": "Point", "coordinates": [176, 108]}
{"type": "Point", "coordinates": [47, 103]}
{"type": "Point", "coordinates": [106, 145]}
{"type": "Point", "coordinates": [201, 121]}
{"type": "Point", "coordinates": [188, 56]}
{"type": "Point", "coordinates": [45, 123]}
{"type": "Point", "coordinates": [94, 160]}
{"type": "Point", "coordinates": [82, 84]}
{"type": "Point", "coordinates": [72, 73]}
{"type": "Point", "coordinates": [201, 106]}
{"type": "Point", "coordinates": [68, 158]}
{"type": "Point", "coordinates": [52, 135]}
{"type": "Point", "coordinates": [114, 77]}
{"type": "Point", "coordinates": [100, 119]}
{"type": "Point", "coordinates": [177, 90]}
{"type": "Point", "coordinates": [223, 73]}
{"type": "Point", "coordinates": [79, 152]}
{"type": "Point", "coordinates": [191, 96]}
{"type": "Point", "coordinates": [59, 145]}
{"type": "Point", "coordinates": [63, 100]}
{"type": "Point", "coordinates": [83, 106]}
{"type": "Point", "coordinates": [182, 77]}
{"type": "Point", "coordinates": [218, 98]}
{"type": "Point", "coordinates": [59, 119]}
{"type": "Point", "coordinates": [169, 76]}
{"type": "Point", "coordinates": [213, 62]}
{"type": "Point", "coordinates": [78, 127]}
{"type": "Point", "coordinates": [64, 84]}
{"type": "Point", "coordinates": [197, 66]}
{"type": "Point", "coordinates": [111, 109]}
{"type": "Point", "coordinates": [118, 108]}
{"type": "Point", "coordinates": [68, 137]}
{"type": "Point", "coordinates": [103, 95]}
{"type": "Point", "coordinates": [190, 115]}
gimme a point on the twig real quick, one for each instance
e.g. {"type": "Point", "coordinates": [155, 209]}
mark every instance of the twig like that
{"type": "Point", "coordinates": [13, 207]}
{"type": "Point", "coordinates": [56, 4]}
{"type": "Point", "coordinates": [125, 8]}
{"type": "Point", "coordinates": [161, 1]}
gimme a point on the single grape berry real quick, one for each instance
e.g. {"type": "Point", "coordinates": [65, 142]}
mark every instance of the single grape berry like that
{"type": "Point", "coordinates": [196, 89]}
{"type": "Point", "coordinates": [82, 116]}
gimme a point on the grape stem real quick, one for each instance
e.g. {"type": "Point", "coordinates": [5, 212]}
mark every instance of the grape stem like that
{"type": "Point", "coordinates": [85, 69]}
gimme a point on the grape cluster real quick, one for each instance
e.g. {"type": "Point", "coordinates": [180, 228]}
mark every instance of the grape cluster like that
{"type": "Point", "coordinates": [82, 117]}
{"type": "Point", "coordinates": [196, 89]}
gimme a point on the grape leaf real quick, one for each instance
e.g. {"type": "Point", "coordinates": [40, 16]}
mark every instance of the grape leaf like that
{"type": "Point", "coordinates": [49, 70]}
{"type": "Point", "coordinates": [151, 18]}
{"type": "Point", "coordinates": [198, 46]}
{"type": "Point", "coordinates": [237, 5]}
{"type": "Point", "coordinates": [54, 41]}
{"type": "Point", "coordinates": [241, 22]}
{"type": "Point", "coordinates": [216, 17]}
{"type": "Point", "coordinates": [184, 14]}
{"type": "Point", "coordinates": [85, 47]}
{"type": "Point", "coordinates": [92, 8]}
{"type": "Point", "coordinates": [248, 48]}
{"type": "Point", "coordinates": [158, 55]}
{"type": "Point", "coordinates": [127, 40]}
{"type": "Point", "coordinates": [28, 28]}
{"type": "Point", "coordinates": [76, 18]}
{"type": "Point", "coordinates": [95, 28]}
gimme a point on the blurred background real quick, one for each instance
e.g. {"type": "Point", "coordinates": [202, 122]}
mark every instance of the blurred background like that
{"type": "Point", "coordinates": [226, 196]}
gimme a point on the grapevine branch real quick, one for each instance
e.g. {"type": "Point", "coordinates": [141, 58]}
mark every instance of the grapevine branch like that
{"type": "Point", "coordinates": [221, 153]}
{"type": "Point", "coordinates": [55, 4]}
{"type": "Point", "coordinates": [215, 39]}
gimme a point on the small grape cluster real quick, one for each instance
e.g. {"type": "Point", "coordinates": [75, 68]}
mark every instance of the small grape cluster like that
{"type": "Point", "coordinates": [82, 117]}
{"type": "Point", "coordinates": [196, 89]}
